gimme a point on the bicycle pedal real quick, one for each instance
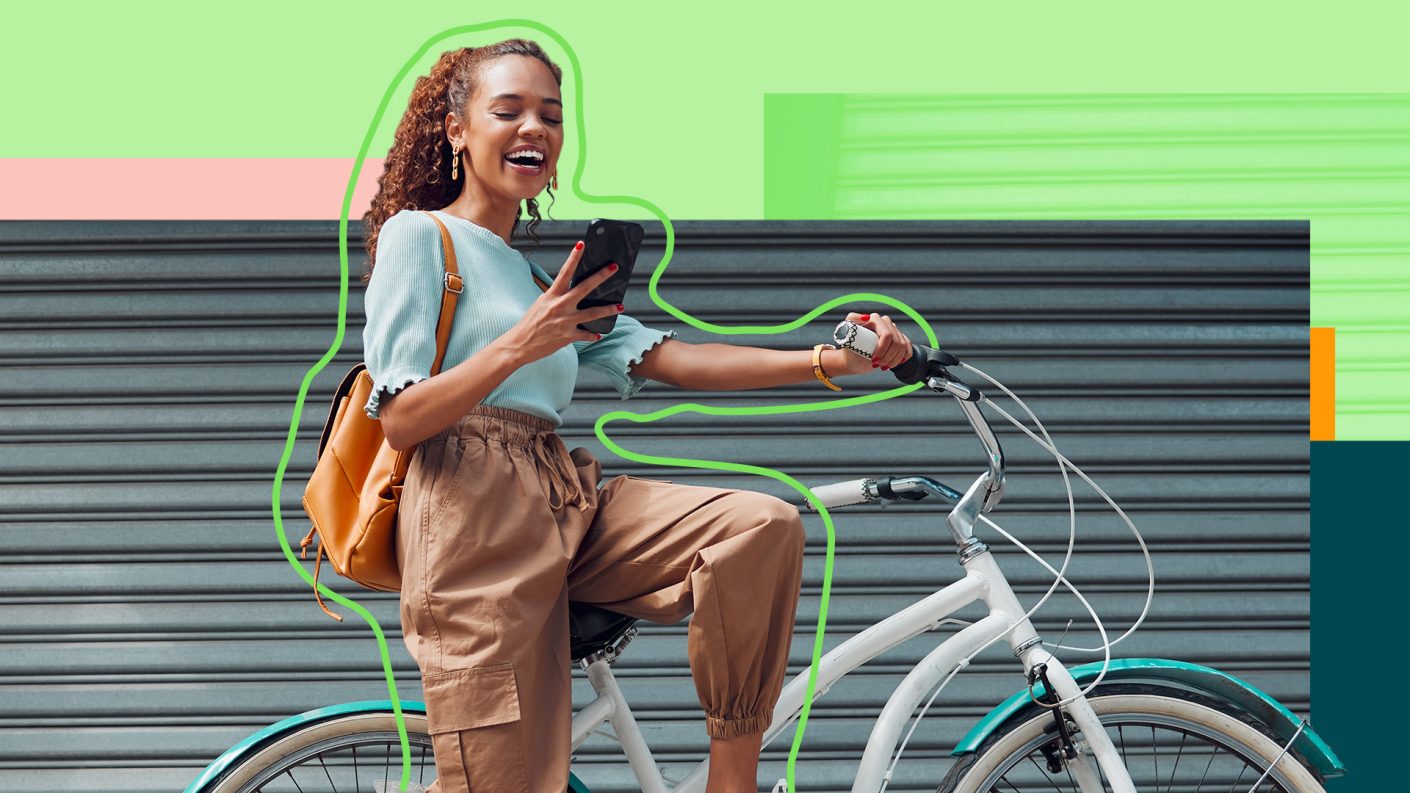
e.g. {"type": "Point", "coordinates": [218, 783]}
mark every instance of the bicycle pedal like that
{"type": "Point", "coordinates": [380, 786]}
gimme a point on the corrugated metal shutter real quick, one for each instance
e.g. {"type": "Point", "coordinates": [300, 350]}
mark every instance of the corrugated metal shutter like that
{"type": "Point", "coordinates": [150, 621]}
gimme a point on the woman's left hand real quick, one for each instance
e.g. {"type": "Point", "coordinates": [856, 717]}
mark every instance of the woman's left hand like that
{"type": "Point", "coordinates": [892, 346]}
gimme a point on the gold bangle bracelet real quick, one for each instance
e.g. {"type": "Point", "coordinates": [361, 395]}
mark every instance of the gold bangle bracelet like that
{"type": "Point", "coordinates": [817, 366]}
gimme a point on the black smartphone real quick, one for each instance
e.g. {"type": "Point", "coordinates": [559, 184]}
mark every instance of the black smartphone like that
{"type": "Point", "coordinates": [607, 242]}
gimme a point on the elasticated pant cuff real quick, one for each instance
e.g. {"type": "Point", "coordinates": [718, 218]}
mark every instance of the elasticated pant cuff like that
{"type": "Point", "coordinates": [733, 727]}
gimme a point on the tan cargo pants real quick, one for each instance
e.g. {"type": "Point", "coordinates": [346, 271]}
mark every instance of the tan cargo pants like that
{"type": "Point", "coordinates": [499, 526]}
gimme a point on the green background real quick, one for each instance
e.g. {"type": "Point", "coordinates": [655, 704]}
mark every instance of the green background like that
{"type": "Point", "coordinates": [1236, 110]}
{"type": "Point", "coordinates": [677, 108]}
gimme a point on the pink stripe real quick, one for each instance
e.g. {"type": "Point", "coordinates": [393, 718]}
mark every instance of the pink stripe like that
{"type": "Point", "coordinates": [183, 189]}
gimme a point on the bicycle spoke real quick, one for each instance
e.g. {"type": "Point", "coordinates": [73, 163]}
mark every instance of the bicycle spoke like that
{"type": "Point", "coordinates": [357, 784]}
{"type": "Point", "coordinates": [1205, 775]}
{"type": "Point", "coordinates": [1044, 773]}
{"type": "Point", "coordinates": [1235, 786]}
{"type": "Point", "coordinates": [327, 773]}
{"type": "Point", "coordinates": [1155, 757]}
{"type": "Point", "coordinates": [299, 787]}
{"type": "Point", "coordinates": [1183, 737]}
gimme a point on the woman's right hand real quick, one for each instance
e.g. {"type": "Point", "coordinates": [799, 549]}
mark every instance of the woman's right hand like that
{"type": "Point", "coordinates": [552, 321]}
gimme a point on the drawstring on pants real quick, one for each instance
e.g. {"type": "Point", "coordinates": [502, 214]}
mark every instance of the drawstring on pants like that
{"type": "Point", "coordinates": [563, 478]}
{"type": "Point", "coordinates": [536, 435]}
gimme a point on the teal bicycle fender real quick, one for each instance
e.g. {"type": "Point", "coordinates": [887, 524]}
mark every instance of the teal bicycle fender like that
{"type": "Point", "coordinates": [248, 746]}
{"type": "Point", "coordinates": [252, 744]}
{"type": "Point", "coordinates": [1218, 685]}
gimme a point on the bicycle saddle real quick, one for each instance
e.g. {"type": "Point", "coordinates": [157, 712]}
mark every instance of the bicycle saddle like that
{"type": "Point", "coordinates": [591, 628]}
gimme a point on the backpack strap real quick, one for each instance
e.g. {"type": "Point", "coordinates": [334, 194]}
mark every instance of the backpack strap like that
{"type": "Point", "coordinates": [453, 285]}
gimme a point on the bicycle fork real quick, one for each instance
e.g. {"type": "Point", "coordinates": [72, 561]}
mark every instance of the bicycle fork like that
{"type": "Point", "coordinates": [1090, 753]}
{"type": "Point", "coordinates": [1095, 754]}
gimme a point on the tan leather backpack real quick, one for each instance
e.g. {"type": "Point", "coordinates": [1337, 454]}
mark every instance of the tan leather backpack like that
{"type": "Point", "coordinates": [353, 493]}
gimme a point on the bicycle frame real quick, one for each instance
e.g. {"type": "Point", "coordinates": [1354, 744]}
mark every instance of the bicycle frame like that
{"type": "Point", "coordinates": [983, 581]}
{"type": "Point", "coordinates": [1095, 762]}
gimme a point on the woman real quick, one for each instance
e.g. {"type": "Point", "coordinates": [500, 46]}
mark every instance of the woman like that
{"type": "Point", "coordinates": [499, 525]}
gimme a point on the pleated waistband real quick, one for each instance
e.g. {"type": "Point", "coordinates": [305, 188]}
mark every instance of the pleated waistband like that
{"type": "Point", "coordinates": [487, 421]}
{"type": "Point", "coordinates": [533, 433]}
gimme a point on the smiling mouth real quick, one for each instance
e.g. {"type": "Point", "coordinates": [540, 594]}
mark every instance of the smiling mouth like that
{"type": "Point", "coordinates": [527, 162]}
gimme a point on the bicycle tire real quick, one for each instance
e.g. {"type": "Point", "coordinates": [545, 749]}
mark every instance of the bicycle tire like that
{"type": "Point", "coordinates": [293, 755]}
{"type": "Point", "coordinates": [1148, 724]}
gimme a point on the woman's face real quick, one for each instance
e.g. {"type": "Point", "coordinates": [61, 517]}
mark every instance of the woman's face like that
{"type": "Point", "coordinates": [513, 128]}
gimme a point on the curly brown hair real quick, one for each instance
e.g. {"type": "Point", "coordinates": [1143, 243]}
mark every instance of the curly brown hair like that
{"type": "Point", "coordinates": [416, 173]}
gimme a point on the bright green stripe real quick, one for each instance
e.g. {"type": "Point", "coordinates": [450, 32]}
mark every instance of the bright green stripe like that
{"type": "Point", "coordinates": [1341, 161]}
{"type": "Point", "coordinates": [802, 166]}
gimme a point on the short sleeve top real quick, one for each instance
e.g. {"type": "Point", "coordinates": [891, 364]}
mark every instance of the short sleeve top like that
{"type": "Point", "coordinates": [403, 302]}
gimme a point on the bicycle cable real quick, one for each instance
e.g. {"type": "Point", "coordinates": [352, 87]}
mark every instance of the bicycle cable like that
{"type": "Point", "coordinates": [1050, 448]}
{"type": "Point", "coordinates": [1059, 575]}
{"type": "Point", "coordinates": [1059, 580]}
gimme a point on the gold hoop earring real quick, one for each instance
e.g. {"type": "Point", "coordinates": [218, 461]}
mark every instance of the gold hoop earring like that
{"type": "Point", "coordinates": [455, 164]}
{"type": "Point", "coordinates": [553, 181]}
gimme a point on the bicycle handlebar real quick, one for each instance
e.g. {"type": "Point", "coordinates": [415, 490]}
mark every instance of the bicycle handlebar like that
{"type": "Point", "coordinates": [929, 366]}
{"type": "Point", "coordinates": [924, 363]}
{"type": "Point", "coordinates": [890, 488]}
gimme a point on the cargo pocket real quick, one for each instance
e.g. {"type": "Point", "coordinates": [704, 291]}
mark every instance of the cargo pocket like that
{"type": "Point", "coordinates": [474, 721]}
{"type": "Point", "coordinates": [469, 698]}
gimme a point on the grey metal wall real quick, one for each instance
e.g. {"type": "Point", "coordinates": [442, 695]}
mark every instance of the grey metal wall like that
{"type": "Point", "coordinates": [148, 619]}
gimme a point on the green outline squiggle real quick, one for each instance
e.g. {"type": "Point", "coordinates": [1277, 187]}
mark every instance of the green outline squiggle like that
{"type": "Point", "coordinates": [714, 465]}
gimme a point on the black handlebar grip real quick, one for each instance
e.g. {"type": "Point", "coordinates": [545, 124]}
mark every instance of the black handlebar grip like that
{"type": "Point", "coordinates": [883, 489]}
{"type": "Point", "coordinates": [924, 362]}
{"type": "Point", "coordinates": [913, 370]}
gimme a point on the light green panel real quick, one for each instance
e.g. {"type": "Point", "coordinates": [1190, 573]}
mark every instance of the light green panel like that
{"type": "Point", "coordinates": [1340, 160]}
{"type": "Point", "coordinates": [673, 92]}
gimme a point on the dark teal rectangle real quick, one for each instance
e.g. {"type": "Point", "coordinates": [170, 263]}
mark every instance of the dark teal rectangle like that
{"type": "Point", "coordinates": [1357, 624]}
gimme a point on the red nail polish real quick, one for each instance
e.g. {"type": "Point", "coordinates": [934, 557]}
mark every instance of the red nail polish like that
{"type": "Point", "coordinates": [865, 318]}
{"type": "Point", "coordinates": [621, 307]}
{"type": "Point", "coordinates": [611, 268]}
{"type": "Point", "coordinates": [579, 246]}
{"type": "Point", "coordinates": [599, 336]}
{"type": "Point", "coordinates": [885, 368]}
{"type": "Point", "coordinates": [874, 366]}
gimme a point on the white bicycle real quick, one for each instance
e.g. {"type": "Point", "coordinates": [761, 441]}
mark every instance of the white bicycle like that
{"type": "Point", "coordinates": [1125, 725]}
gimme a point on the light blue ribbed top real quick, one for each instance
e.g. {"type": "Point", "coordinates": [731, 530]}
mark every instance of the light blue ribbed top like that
{"type": "Point", "coordinates": [403, 302]}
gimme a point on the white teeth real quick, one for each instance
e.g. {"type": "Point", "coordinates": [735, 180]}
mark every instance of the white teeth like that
{"type": "Point", "coordinates": [527, 153]}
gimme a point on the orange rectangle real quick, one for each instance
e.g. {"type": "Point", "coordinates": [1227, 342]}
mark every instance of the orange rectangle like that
{"type": "Point", "coordinates": [1323, 396]}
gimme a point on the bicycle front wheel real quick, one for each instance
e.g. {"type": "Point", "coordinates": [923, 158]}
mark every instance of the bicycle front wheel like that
{"type": "Point", "coordinates": [1169, 739]}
